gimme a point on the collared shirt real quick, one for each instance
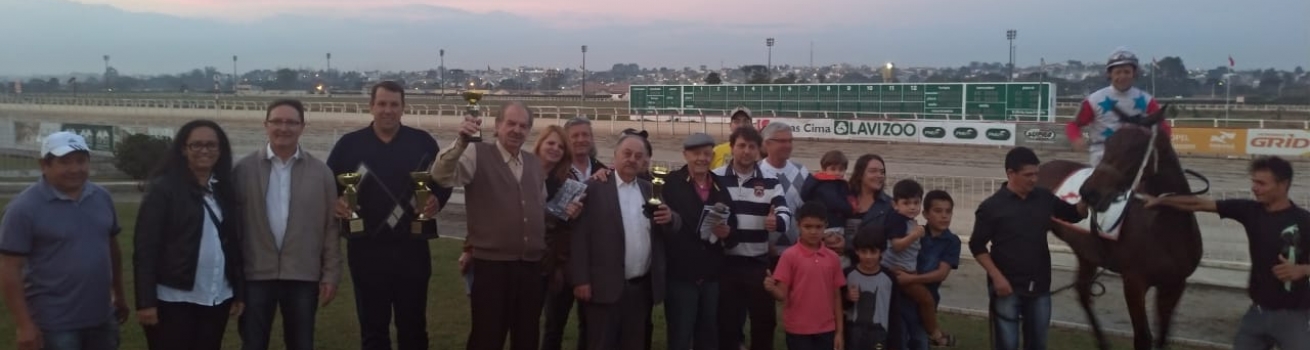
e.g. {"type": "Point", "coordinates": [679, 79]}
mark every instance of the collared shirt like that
{"type": "Point", "coordinates": [582, 175]}
{"type": "Point", "coordinates": [935, 250]}
{"type": "Point", "coordinates": [813, 277]}
{"type": "Point", "coordinates": [752, 195]}
{"type": "Point", "coordinates": [66, 279]}
{"type": "Point", "coordinates": [466, 161]}
{"type": "Point", "coordinates": [211, 287]}
{"type": "Point", "coordinates": [636, 229]}
{"type": "Point", "coordinates": [278, 198]}
{"type": "Point", "coordinates": [1016, 227]}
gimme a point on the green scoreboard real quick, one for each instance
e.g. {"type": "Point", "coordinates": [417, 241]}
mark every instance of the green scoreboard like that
{"type": "Point", "coordinates": [988, 101]}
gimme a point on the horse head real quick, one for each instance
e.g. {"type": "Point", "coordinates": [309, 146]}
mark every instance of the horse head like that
{"type": "Point", "coordinates": [1135, 153]}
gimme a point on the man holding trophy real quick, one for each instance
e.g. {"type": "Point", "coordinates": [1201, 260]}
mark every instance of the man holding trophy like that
{"type": "Point", "coordinates": [385, 214]}
{"type": "Point", "coordinates": [501, 183]}
{"type": "Point", "coordinates": [618, 250]}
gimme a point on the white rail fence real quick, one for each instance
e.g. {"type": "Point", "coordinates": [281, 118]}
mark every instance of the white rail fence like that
{"type": "Point", "coordinates": [597, 113]}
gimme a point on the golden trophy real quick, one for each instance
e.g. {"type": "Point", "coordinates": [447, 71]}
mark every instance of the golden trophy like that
{"type": "Point", "coordinates": [658, 171]}
{"type": "Point", "coordinates": [421, 195]}
{"type": "Point", "coordinates": [352, 226]}
{"type": "Point", "coordinates": [473, 97]}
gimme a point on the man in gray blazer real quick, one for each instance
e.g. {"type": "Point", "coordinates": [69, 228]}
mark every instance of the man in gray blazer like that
{"type": "Point", "coordinates": [291, 256]}
{"type": "Point", "coordinates": [618, 253]}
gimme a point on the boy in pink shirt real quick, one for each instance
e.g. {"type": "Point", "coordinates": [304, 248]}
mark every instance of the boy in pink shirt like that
{"type": "Point", "coordinates": [808, 282]}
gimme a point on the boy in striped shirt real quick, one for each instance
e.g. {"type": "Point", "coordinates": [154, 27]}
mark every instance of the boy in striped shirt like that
{"type": "Point", "coordinates": [759, 212]}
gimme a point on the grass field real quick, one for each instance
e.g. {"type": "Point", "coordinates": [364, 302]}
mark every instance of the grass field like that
{"type": "Point", "coordinates": [448, 312]}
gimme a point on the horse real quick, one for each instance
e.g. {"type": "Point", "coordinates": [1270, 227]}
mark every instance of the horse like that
{"type": "Point", "coordinates": [1155, 248]}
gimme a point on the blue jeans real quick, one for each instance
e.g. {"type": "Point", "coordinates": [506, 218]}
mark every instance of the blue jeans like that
{"type": "Point", "coordinates": [298, 301]}
{"type": "Point", "coordinates": [1262, 329]}
{"type": "Point", "coordinates": [691, 311]}
{"type": "Point", "coordinates": [102, 337]}
{"type": "Point", "coordinates": [912, 334]}
{"type": "Point", "coordinates": [821, 341]}
{"type": "Point", "coordinates": [1013, 312]}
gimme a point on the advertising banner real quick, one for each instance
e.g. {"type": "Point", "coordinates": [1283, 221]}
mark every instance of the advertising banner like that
{"type": "Point", "coordinates": [1209, 141]}
{"type": "Point", "coordinates": [966, 133]}
{"type": "Point", "coordinates": [802, 128]}
{"type": "Point", "coordinates": [1042, 136]}
{"type": "Point", "coordinates": [876, 130]}
{"type": "Point", "coordinates": [1278, 142]}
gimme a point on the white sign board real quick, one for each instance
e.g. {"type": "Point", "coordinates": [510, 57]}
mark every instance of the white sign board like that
{"type": "Point", "coordinates": [1278, 142]}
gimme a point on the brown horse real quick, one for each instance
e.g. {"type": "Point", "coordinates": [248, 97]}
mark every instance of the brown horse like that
{"type": "Point", "coordinates": [1156, 248]}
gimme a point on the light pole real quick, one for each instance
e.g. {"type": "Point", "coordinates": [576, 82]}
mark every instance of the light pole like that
{"type": "Point", "coordinates": [584, 72]}
{"type": "Point", "coordinates": [1228, 90]}
{"type": "Point", "coordinates": [769, 42]}
{"type": "Point", "coordinates": [234, 73]}
{"type": "Point", "coordinates": [442, 70]}
{"type": "Point", "coordinates": [106, 75]}
{"type": "Point", "coordinates": [1009, 35]}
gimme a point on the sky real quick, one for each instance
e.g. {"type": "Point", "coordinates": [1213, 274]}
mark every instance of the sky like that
{"type": "Point", "coordinates": [170, 36]}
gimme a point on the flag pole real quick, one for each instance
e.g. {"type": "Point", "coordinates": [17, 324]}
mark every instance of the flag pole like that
{"type": "Point", "coordinates": [1228, 87]}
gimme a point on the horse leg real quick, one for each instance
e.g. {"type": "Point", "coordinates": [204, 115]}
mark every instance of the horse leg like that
{"type": "Point", "coordinates": [1083, 285]}
{"type": "Point", "coordinates": [1135, 287]}
{"type": "Point", "coordinates": [1166, 300]}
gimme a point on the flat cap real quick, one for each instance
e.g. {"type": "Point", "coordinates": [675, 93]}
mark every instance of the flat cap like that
{"type": "Point", "coordinates": [697, 140]}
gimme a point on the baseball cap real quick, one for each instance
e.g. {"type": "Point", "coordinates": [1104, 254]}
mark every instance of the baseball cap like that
{"type": "Point", "coordinates": [697, 140]}
{"type": "Point", "coordinates": [62, 143]}
{"type": "Point", "coordinates": [746, 112]}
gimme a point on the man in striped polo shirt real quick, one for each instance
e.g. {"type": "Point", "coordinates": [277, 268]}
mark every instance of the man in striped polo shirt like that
{"type": "Point", "coordinates": [759, 212]}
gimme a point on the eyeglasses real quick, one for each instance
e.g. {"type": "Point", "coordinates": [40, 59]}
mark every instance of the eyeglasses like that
{"type": "Point", "coordinates": [283, 123]}
{"type": "Point", "coordinates": [202, 146]}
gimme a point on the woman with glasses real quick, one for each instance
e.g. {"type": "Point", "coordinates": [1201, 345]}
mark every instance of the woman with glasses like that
{"type": "Point", "coordinates": [188, 251]}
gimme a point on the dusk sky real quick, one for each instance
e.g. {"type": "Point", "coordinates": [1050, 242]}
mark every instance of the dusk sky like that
{"type": "Point", "coordinates": [169, 36]}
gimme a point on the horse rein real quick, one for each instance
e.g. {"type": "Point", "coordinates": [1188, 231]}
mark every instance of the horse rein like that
{"type": "Point", "coordinates": [1152, 157]}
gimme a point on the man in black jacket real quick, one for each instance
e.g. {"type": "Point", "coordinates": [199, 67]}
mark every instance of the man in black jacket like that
{"type": "Point", "coordinates": [693, 258]}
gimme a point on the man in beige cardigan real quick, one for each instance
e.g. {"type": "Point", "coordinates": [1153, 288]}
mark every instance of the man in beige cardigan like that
{"type": "Point", "coordinates": [292, 260]}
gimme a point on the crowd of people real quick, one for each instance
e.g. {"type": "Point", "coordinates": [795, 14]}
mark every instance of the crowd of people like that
{"type": "Point", "coordinates": [726, 238]}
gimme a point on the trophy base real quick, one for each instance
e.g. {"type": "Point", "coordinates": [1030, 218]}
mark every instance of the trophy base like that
{"type": "Point", "coordinates": [354, 228]}
{"type": "Point", "coordinates": [649, 209]}
{"type": "Point", "coordinates": [425, 228]}
{"type": "Point", "coordinates": [474, 139]}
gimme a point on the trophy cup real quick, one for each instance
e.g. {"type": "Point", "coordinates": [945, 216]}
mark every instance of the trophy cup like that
{"type": "Point", "coordinates": [473, 98]}
{"type": "Point", "coordinates": [421, 195]}
{"type": "Point", "coordinates": [352, 226]}
{"type": "Point", "coordinates": [658, 172]}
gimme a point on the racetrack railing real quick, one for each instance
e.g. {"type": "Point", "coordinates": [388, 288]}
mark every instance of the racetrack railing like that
{"type": "Point", "coordinates": [706, 116]}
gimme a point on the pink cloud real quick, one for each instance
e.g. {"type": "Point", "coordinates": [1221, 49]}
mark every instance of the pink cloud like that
{"type": "Point", "coordinates": [569, 13]}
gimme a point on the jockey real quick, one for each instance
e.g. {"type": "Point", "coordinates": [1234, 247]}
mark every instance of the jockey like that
{"type": "Point", "coordinates": [1097, 111]}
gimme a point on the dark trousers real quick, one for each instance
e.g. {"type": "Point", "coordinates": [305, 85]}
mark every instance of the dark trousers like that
{"type": "Point", "coordinates": [821, 341]}
{"type": "Point", "coordinates": [187, 326]}
{"type": "Point", "coordinates": [506, 299]}
{"type": "Point", "coordinates": [99, 337]}
{"type": "Point", "coordinates": [391, 276]}
{"type": "Point", "coordinates": [624, 324]}
{"type": "Point", "coordinates": [742, 288]}
{"type": "Point", "coordinates": [559, 304]}
{"type": "Point", "coordinates": [691, 310]}
{"type": "Point", "coordinates": [298, 301]}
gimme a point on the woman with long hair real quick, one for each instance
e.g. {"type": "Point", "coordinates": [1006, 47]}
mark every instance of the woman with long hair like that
{"type": "Point", "coordinates": [872, 203]}
{"type": "Point", "coordinates": [556, 161]}
{"type": "Point", "coordinates": [188, 244]}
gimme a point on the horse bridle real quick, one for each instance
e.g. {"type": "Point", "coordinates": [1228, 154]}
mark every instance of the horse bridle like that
{"type": "Point", "coordinates": [1152, 157]}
